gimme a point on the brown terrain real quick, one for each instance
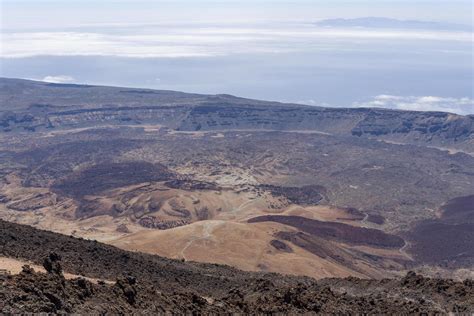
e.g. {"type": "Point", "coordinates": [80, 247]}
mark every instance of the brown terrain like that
{"type": "Point", "coordinates": [260, 186]}
{"type": "Point", "coordinates": [68, 275]}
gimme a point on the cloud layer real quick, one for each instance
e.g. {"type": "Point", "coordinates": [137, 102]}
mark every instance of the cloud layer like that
{"type": "Point", "coordinates": [203, 40]}
{"type": "Point", "coordinates": [58, 79]}
{"type": "Point", "coordinates": [421, 103]}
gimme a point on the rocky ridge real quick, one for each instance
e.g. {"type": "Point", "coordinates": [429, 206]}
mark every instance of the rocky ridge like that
{"type": "Point", "coordinates": [31, 106]}
{"type": "Point", "coordinates": [162, 285]}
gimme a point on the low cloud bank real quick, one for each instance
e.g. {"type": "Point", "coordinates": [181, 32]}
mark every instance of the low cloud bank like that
{"type": "Point", "coordinates": [58, 79]}
{"type": "Point", "coordinates": [420, 103]}
{"type": "Point", "coordinates": [195, 41]}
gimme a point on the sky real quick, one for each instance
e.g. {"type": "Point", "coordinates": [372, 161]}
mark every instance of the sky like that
{"type": "Point", "coordinates": [265, 49]}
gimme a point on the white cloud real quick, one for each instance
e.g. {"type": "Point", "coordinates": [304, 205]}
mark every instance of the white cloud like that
{"type": "Point", "coordinates": [421, 103]}
{"type": "Point", "coordinates": [58, 79]}
{"type": "Point", "coordinates": [201, 40]}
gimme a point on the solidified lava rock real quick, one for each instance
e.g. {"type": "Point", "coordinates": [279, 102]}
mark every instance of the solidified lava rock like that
{"type": "Point", "coordinates": [126, 286]}
{"type": "Point", "coordinates": [160, 285]}
{"type": "Point", "coordinates": [122, 228]}
{"type": "Point", "coordinates": [333, 230]}
{"type": "Point", "coordinates": [280, 245]}
{"type": "Point", "coordinates": [51, 263]}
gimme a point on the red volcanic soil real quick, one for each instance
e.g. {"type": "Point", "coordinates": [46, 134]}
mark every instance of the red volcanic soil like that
{"type": "Point", "coordinates": [337, 231]}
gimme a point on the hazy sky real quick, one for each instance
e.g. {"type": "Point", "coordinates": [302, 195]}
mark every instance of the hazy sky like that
{"type": "Point", "coordinates": [39, 13]}
{"type": "Point", "coordinates": [62, 13]}
{"type": "Point", "coordinates": [266, 49]}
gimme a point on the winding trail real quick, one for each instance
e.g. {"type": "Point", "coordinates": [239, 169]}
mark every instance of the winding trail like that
{"type": "Point", "coordinates": [403, 252]}
{"type": "Point", "coordinates": [208, 227]}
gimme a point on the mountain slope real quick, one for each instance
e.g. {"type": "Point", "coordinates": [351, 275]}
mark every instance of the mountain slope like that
{"type": "Point", "coordinates": [29, 106]}
{"type": "Point", "coordinates": [150, 284]}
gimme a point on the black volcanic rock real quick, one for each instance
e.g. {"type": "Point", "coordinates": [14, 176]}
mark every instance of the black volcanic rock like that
{"type": "Point", "coordinates": [146, 284]}
{"type": "Point", "coordinates": [337, 231]}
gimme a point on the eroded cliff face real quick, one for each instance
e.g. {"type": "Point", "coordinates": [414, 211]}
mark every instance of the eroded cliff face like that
{"type": "Point", "coordinates": [429, 127]}
{"type": "Point", "coordinates": [32, 106]}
